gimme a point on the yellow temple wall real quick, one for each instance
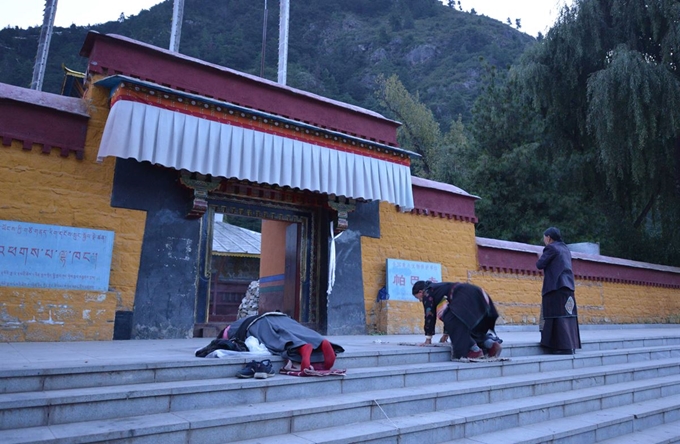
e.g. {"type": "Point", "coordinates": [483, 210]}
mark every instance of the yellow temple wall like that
{"type": "Point", "coordinates": [55, 190]}
{"type": "Point", "coordinates": [517, 297]}
{"type": "Point", "coordinates": [415, 238]}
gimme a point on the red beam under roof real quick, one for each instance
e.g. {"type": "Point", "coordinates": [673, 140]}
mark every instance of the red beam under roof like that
{"type": "Point", "coordinates": [442, 200]}
{"type": "Point", "coordinates": [36, 117]}
{"type": "Point", "coordinates": [113, 54]}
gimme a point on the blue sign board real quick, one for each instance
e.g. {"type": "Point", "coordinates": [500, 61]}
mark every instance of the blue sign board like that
{"type": "Point", "coordinates": [401, 275]}
{"type": "Point", "coordinates": [51, 256]}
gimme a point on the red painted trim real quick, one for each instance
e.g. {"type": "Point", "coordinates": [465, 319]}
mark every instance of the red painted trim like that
{"type": "Point", "coordinates": [501, 260]}
{"type": "Point", "coordinates": [507, 261]}
{"type": "Point", "coordinates": [110, 54]}
{"type": "Point", "coordinates": [31, 123]}
{"type": "Point", "coordinates": [443, 203]}
{"type": "Point", "coordinates": [599, 271]}
{"type": "Point", "coordinates": [274, 193]}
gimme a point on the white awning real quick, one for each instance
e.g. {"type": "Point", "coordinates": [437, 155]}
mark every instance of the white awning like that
{"type": "Point", "coordinates": [185, 142]}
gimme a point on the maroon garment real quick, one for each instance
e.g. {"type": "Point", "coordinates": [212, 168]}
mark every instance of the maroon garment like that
{"type": "Point", "coordinates": [556, 265]}
{"type": "Point", "coordinates": [559, 314]}
{"type": "Point", "coordinates": [560, 330]}
{"type": "Point", "coordinates": [469, 315]}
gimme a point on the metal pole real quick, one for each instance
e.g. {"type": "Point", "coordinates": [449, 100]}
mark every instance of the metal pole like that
{"type": "Point", "coordinates": [44, 45]}
{"type": "Point", "coordinates": [264, 39]}
{"type": "Point", "coordinates": [283, 40]}
{"type": "Point", "coordinates": [176, 30]}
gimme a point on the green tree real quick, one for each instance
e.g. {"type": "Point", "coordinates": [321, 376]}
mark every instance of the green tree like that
{"type": "Point", "coordinates": [606, 81]}
{"type": "Point", "coordinates": [420, 131]}
{"type": "Point", "coordinates": [506, 165]}
{"type": "Point", "coordinates": [522, 186]}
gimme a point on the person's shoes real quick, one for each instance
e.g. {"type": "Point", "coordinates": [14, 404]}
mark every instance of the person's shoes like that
{"type": "Point", "coordinates": [264, 369]}
{"type": "Point", "coordinates": [475, 354]}
{"type": "Point", "coordinates": [563, 351]}
{"type": "Point", "coordinates": [248, 371]}
{"type": "Point", "coordinates": [492, 335]}
{"type": "Point", "coordinates": [495, 350]}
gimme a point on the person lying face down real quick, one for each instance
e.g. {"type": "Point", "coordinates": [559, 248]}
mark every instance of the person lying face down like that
{"type": "Point", "coordinates": [284, 336]}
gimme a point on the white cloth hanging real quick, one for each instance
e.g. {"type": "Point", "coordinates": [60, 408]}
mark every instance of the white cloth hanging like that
{"type": "Point", "coordinates": [331, 261]}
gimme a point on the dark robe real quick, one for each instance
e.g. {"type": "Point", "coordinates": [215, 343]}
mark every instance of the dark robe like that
{"type": "Point", "coordinates": [470, 314]}
{"type": "Point", "coordinates": [559, 314]}
{"type": "Point", "coordinates": [281, 334]}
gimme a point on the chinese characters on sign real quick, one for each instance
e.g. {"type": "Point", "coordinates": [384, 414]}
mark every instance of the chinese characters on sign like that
{"type": "Point", "coordinates": [51, 256]}
{"type": "Point", "coordinates": [401, 275]}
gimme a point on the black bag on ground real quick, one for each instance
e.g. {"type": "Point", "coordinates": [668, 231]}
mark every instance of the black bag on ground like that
{"type": "Point", "coordinates": [221, 344]}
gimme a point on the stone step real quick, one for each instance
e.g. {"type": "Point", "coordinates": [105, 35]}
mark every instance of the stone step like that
{"type": "Point", "coordinates": [613, 425]}
{"type": "Point", "coordinates": [560, 393]}
{"type": "Point", "coordinates": [662, 434]}
{"type": "Point", "coordinates": [87, 375]}
{"type": "Point", "coordinates": [91, 374]}
{"type": "Point", "coordinates": [30, 409]}
{"type": "Point", "coordinates": [186, 399]}
{"type": "Point", "coordinates": [530, 422]}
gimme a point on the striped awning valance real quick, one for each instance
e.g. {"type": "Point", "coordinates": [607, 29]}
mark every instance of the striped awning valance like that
{"type": "Point", "coordinates": [185, 141]}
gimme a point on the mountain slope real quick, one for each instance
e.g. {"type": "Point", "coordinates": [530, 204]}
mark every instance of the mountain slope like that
{"type": "Point", "coordinates": [336, 48]}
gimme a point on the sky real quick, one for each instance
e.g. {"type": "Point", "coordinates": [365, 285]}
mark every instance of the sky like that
{"type": "Point", "coordinates": [536, 15]}
{"type": "Point", "coordinates": [27, 13]}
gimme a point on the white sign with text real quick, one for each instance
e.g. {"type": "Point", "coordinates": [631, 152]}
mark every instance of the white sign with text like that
{"type": "Point", "coordinates": [52, 256]}
{"type": "Point", "coordinates": [402, 274]}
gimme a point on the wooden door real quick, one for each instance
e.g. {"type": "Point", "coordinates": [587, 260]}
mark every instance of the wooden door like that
{"type": "Point", "coordinates": [291, 285]}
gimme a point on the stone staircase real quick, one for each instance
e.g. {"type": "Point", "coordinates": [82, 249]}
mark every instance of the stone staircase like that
{"type": "Point", "coordinates": [612, 391]}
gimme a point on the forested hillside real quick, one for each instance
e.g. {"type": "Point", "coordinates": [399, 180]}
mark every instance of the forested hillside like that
{"type": "Point", "coordinates": [337, 48]}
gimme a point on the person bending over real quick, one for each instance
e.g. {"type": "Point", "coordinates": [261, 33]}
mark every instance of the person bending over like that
{"type": "Point", "coordinates": [468, 314]}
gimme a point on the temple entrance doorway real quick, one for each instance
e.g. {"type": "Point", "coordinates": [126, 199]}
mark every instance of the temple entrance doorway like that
{"type": "Point", "coordinates": [265, 250]}
{"type": "Point", "coordinates": [234, 266]}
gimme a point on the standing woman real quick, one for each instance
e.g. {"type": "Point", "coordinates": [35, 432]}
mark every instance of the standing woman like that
{"type": "Point", "coordinates": [559, 320]}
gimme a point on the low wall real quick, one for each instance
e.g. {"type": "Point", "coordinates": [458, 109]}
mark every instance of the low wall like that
{"type": "Point", "coordinates": [608, 290]}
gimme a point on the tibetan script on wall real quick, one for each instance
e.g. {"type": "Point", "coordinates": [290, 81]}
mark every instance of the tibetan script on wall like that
{"type": "Point", "coordinates": [51, 256]}
{"type": "Point", "coordinates": [401, 275]}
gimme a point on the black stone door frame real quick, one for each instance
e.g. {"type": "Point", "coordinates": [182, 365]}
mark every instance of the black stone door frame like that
{"type": "Point", "coordinates": [312, 302]}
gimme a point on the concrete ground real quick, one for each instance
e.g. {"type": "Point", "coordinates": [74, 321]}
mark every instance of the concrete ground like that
{"type": "Point", "coordinates": [42, 355]}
